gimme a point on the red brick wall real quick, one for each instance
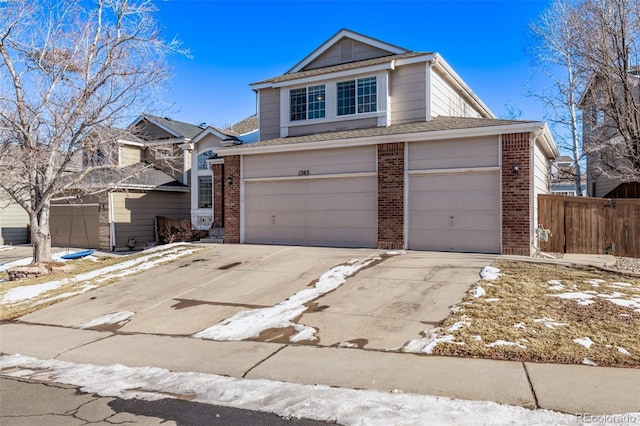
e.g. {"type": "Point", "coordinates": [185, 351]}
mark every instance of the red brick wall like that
{"type": "Point", "coordinates": [391, 196]}
{"type": "Point", "coordinates": [232, 200]}
{"type": "Point", "coordinates": [218, 195]}
{"type": "Point", "coordinates": [516, 194]}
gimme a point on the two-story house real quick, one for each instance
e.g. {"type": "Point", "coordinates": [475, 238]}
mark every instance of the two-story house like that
{"type": "Point", "coordinates": [610, 169]}
{"type": "Point", "coordinates": [143, 174]}
{"type": "Point", "coordinates": [563, 180]}
{"type": "Point", "coordinates": [367, 144]}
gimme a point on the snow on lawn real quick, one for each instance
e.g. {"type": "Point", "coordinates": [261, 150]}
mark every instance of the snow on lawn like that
{"type": "Point", "coordinates": [427, 344]}
{"type": "Point", "coordinates": [490, 273]}
{"type": "Point", "coordinates": [57, 257]}
{"type": "Point", "coordinates": [151, 259]}
{"type": "Point", "coordinates": [584, 341]}
{"type": "Point", "coordinates": [323, 403]}
{"type": "Point", "coordinates": [249, 324]}
{"type": "Point", "coordinates": [586, 297]}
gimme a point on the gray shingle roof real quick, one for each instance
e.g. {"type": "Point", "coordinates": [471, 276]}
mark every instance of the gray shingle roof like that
{"type": "Point", "coordinates": [134, 176]}
{"type": "Point", "coordinates": [341, 67]}
{"type": "Point", "coordinates": [242, 127]}
{"type": "Point", "coordinates": [434, 125]}
{"type": "Point", "coordinates": [186, 130]}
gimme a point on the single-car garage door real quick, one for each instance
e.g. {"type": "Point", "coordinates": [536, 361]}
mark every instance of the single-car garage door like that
{"type": "Point", "coordinates": [334, 211]}
{"type": "Point", "coordinates": [74, 226]}
{"type": "Point", "coordinates": [454, 212]}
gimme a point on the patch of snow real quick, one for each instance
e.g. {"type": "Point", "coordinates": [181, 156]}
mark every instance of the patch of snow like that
{"type": "Point", "coordinates": [476, 337]}
{"type": "Point", "coordinates": [458, 325]}
{"type": "Point", "coordinates": [550, 322]}
{"type": "Point", "coordinates": [554, 282]}
{"type": "Point", "coordinates": [303, 333]}
{"type": "Point", "coordinates": [579, 297]}
{"type": "Point", "coordinates": [587, 361]}
{"type": "Point", "coordinates": [584, 341]}
{"type": "Point", "coordinates": [520, 325]}
{"type": "Point", "coordinates": [318, 402]}
{"type": "Point", "coordinates": [595, 282]}
{"type": "Point", "coordinates": [6, 248]}
{"type": "Point", "coordinates": [395, 252]}
{"type": "Point", "coordinates": [621, 284]}
{"type": "Point", "coordinates": [478, 292]}
{"type": "Point", "coordinates": [490, 273]}
{"type": "Point", "coordinates": [504, 343]}
{"type": "Point", "coordinates": [492, 299]}
{"type": "Point", "coordinates": [633, 303]}
{"type": "Point", "coordinates": [250, 323]}
{"type": "Point", "coordinates": [347, 345]}
{"type": "Point", "coordinates": [429, 342]}
{"type": "Point", "coordinates": [557, 287]}
{"type": "Point", "coordinates": [623, 351]}
{"type": "Point", "coordinates": [114, 318]}
{"type": "Point", "coordinates": [26, 292]}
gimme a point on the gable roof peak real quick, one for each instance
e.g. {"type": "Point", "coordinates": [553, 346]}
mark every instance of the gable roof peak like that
{"type": "Point", "coordinates": [393, 49]}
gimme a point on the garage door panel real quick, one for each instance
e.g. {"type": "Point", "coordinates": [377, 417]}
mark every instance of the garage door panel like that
{"type": "Point", "coordinates": [454, 212]}
{"type": "Point", "coordinates": [324, 212]}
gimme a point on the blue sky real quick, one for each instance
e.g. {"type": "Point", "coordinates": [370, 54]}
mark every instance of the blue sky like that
{"type": "Point", "coordinates": [235, 43]}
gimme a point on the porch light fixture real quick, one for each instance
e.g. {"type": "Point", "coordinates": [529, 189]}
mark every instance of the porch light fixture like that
{"type": "Point", "coordinates": [516, 169]}
{"type": "Point", "coordinates": [230, 180]}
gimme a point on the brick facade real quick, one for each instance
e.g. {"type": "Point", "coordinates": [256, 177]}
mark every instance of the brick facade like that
{"type": "Point", "coordinates": [516, 194]}
{"type": "Point", "coordinates": [391, 196]}
{"type": "Point", "coordinates": [104, 232]}
{"type": "Point", "coordinates": [218, 195]}
{"type": "Point", "coordinates": [232, 199]}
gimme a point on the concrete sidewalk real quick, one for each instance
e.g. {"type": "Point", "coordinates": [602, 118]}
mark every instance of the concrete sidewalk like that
{"type": "Point", "coordinates": [567, 388]}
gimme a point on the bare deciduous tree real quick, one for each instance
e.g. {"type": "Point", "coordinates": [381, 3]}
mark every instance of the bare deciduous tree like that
{"type": "Point", "coordinates": [610, 54]}
{"type": "Point", "coordinates": [554, 55]}
{"type": "Point", "coordinates": [70, 71]}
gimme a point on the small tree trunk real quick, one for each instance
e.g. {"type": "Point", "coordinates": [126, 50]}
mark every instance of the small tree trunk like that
{"type": "Point", "coordinates": [41, 235]}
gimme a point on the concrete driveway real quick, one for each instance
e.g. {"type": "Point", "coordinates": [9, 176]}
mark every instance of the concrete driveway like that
{"type": "Point", "coordinates": [381, 307]}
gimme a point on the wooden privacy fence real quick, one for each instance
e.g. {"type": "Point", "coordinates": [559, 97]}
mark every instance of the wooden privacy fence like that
{"type": "Point", "coordinates": [590, 225]}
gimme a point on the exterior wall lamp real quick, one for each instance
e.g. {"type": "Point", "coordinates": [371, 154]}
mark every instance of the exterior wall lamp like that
{"type": "Point", "coordinates": [516, 169]}
{"type": "Point", "coordinates": [230, 180]}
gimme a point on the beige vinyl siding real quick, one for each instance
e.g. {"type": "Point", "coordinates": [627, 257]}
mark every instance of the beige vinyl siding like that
{"type": "Point", "coordinates": [361, 52]}
{"type": "Point", "coordinates": [445, 100]}
{"type": "Point", "coordinates": [151, 131]}
{"type": "Point", "coordinates": [13, 224]}
{"type": "Point", "coordinates": [321, 162]}
{"type": "Point", "coordinates": [540, 179]}
{"type": "Point", "coordinates": [309, 129]}
{"type": "Point", "coordinates": [130, 155]}
{"type": "Point", "coordinates": [269, 113]}
{"type": "Point", "coordinates": [134, 213]}
{"type": "Point", "coordinates": [454, 153]}
{"type": "Point", "coordinates": [173, 166]}
{"type": "Point", "coordinates": [408, 94]}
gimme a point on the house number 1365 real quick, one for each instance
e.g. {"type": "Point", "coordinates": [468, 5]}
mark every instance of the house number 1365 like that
{"type": "Point", "coordinates": [303, 173]}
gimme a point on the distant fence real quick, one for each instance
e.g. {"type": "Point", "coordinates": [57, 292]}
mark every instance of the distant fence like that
{"type": "Point", "coordinates": [590, 225]}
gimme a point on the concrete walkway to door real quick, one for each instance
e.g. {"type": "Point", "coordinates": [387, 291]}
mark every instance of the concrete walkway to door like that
{"type": "Point", "coordinates": [374, 313]}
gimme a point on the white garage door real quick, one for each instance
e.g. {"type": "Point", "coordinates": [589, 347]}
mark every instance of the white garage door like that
{"type": "Point", "coordinates": [340, 212]}
{"type": "Point", "coordinates": [454, 212]}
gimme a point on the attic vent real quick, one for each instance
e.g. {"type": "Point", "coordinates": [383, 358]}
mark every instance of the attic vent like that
{"type": "Point", "coordinates": [346, 50]}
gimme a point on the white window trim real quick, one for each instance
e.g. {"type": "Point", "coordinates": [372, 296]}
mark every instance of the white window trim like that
{"type": "Point", "coordinates": [382, 101]}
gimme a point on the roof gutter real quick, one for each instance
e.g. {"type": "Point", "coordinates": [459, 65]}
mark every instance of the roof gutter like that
{"type": "Point", "coordinates": [405, 137]}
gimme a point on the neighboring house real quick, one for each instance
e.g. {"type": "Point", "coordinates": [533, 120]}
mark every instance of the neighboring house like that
{"type": "Point", "coordinates": [563, 177]}
{"type": "Point", "coordinates": [366, 144]}
{"type": "Point", "coordinates": [14, 222]}
{"type": "Point", "coordinates": [144, 176]}
{"type": "Point", "coordinates": [604, 180]}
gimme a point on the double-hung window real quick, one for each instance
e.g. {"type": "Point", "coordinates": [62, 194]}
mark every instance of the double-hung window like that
{"type": "Point", "coordinates": [307, 103]}
{"type": "Point", "coordinates": [202, 160]}
{"type": "Point", "coordinates": [357, 96]}
{"type": "Point", "coordinates": [205, 192]}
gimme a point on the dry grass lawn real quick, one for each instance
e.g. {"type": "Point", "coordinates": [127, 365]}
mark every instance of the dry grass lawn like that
{"type": "Point", "coordinates": [521, 317]}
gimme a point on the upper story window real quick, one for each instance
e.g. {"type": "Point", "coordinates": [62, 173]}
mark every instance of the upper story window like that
{"type": "Point", "coordinates": [307, 102]}
{"type": "Point", "coordinates": [357, 96]}
{"type": "Point", "coordinates": [202, 160]}
{"type": "Point", "coordinates": [163, 153]}
{"type": "Point", "coordinates": [599, 117]}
